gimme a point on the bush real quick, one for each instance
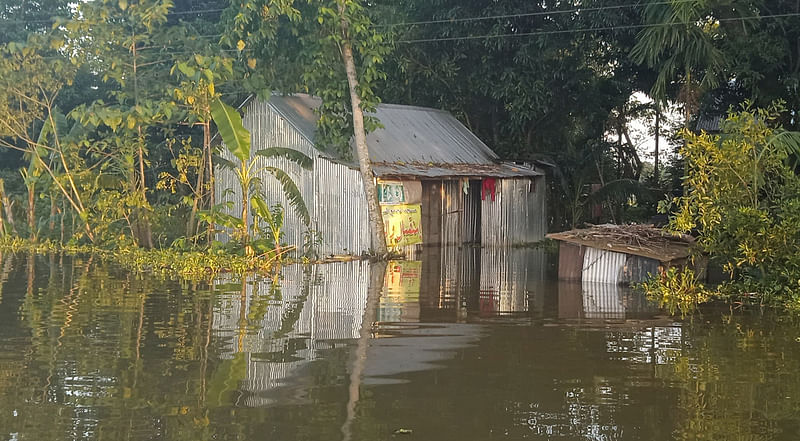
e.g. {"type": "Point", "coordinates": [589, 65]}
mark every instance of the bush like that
{"type": "Point", "coordinates": [742, 198]}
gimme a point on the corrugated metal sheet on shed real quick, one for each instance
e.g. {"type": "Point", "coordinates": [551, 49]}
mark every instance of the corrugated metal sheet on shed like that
{"type": "Point", "coordinates": [517, 215]}
{"type": "Point", "coordinates": [602, 266]}
{"type": "Point", "coordinates": [333, 192]}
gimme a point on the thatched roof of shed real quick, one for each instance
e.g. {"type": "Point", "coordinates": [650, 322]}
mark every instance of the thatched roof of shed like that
{"type": "Point", "coordinates": [639, 240]}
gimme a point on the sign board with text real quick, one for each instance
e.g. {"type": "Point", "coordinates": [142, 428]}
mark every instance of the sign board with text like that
{"type": "Point", "coordinates": [402, 224]}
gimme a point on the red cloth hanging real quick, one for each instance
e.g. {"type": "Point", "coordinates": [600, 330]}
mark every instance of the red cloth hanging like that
{"type": "Point", "coordinates": [489, 186]}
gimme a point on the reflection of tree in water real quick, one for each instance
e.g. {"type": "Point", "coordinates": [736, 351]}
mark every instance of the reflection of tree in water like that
{"type": "Point", "coordinates": [98, 354]}
{"type": "Point", "coordinates": [739, 380]}
{"type": "Point", "coordinates": [110, 354]}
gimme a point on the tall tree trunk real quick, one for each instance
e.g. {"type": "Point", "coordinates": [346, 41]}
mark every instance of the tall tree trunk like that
{"type": "Point", "coordinates": [210, 180]}
{"type": "Point", "coordinates": [133, 188]}
{"type": "Point", "coordinates": [51, 223]}
{"type": "Point", "coordinates": [32, 211]}
{"type": "Point", "coordinates": [6, 203]}
{"type": "Point", "coordinates": [373, 206]}
{"type": "Point", "coordinates": [658, 134]}
{"type": "Point", "coordinates": [142, 218]}
{"type": "Point", "coordinates": [61, 220]}
{"type": "Point", "coordinates": [198, 192]}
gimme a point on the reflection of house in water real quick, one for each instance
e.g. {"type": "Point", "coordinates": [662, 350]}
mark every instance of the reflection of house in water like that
{"type": "Point", "coordinates": [280, 331]}
{"type": "Point", "coordinates": [597, 300]}
{"type": "Point", "coordinates": [657, 345]}
{"type": "Point", "coordinates": [488, 281]}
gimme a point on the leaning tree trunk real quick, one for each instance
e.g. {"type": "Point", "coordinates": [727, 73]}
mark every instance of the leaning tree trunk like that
{"type": "Point", "coordinates": [373, 206]}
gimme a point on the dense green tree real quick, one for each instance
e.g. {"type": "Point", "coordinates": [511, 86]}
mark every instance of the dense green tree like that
{"type": "Point", "coordinates": [533, 80]}
{"type": "Point", "coordinates": [762, 59]}
{"type": "Point", "coordinates": [19, 18]}
{"type": "Point", "coordinates": [330, 49]}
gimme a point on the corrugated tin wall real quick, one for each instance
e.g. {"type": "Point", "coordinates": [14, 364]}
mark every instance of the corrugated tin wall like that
{"type": "Point", "coordinates": [517, 215]}
{"type": "Point", "coordinates": [340, 209]}
{"type": "Point", "coordinates": [616, 268]}
{"type": "Point", "coordinates": [333, 192]}
{"type": "Point", "coordinates": [452, 212]}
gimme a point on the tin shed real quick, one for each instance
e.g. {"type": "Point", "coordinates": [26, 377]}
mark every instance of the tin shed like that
{"type": "Point", "coordinates": [423, 159]}
{"type": "Point", "coordinates": [619, 254]}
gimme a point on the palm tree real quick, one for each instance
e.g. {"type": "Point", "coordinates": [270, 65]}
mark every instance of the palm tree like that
{"type": "Point", "coordinates": [679, 43]}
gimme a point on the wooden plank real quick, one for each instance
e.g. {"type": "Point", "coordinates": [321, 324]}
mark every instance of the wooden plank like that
{"type": "Point", "coordinates": [431, 213]}
{"type": "Point", "coordinates": [570, 261]}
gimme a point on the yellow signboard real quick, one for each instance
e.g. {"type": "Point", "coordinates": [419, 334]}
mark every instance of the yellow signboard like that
{"type": "Point", "coordinates": [402, 224]}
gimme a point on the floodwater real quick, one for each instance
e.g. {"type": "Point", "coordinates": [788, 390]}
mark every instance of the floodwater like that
{"type": "Point", "coordinates": [461, 345]}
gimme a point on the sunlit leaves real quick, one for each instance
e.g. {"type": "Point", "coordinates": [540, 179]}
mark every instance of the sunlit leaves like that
{"type": "Point", "coordinates": [742, 198]}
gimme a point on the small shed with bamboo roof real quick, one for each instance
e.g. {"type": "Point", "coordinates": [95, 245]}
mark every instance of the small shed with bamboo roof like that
{"type": "Point", "coordinates": [620, 254]}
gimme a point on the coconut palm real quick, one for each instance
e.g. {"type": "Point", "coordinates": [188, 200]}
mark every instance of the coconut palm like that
{"type": "Point", "coordinates": [678, 43]}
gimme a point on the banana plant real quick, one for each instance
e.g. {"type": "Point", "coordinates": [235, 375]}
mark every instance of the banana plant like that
{"type": "Point", "coordinates": [272, 217]}
{"type": "Point", "coordinates": [237, 141]}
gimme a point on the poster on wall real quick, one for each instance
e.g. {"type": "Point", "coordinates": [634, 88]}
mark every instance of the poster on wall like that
{"type": "Point", "coordinates": [402, 224]}
{"type": "Point", "coordinates": [391, 193]}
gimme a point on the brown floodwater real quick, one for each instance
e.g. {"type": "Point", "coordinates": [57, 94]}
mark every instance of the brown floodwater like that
{"type": "Point", "coordinates": [473, 344]}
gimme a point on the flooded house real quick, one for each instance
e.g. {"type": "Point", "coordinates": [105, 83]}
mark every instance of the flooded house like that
{"type": "Point", "coordinates": [438, 183]}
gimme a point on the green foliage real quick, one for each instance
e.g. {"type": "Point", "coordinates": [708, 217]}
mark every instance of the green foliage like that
{"type": "Point", "coordinates": [237, 140]}
{"type": "Point", "coordinates": [743, 198]}
{"type": "Point", "coordinates": [677, 290]}
{"type": "Point", "coordinates": [169, 262]}
{"type": "Point", "coordinates": [680, 43]}
{"type": "Point", "coordinates": [272, 218]}
{"type": "Point", "coordinates": [233, 132]}
{"type": "Point", "coordinates": [21, 18]}
{"type": "Point", "coordinates": [302, 40]}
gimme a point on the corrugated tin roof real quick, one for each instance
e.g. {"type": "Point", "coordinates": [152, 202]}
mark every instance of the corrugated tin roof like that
{"type": "Point", "coordinates": [709, 123]}
{"type": "Point", "coordinates": [414, 141]}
